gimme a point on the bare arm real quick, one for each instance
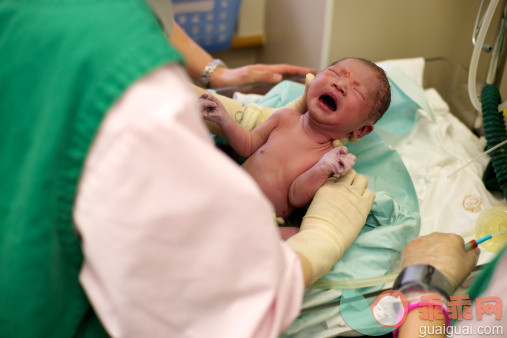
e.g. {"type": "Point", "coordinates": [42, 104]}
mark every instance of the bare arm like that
{"type": "Point", "coordinates": [196, 59]}
{"type": "Point", "coordinates": [303, 188]}
{"type": "Point", "coordinates": [413, 323]}
{"type": "Point", "coordinates": [244, 142]}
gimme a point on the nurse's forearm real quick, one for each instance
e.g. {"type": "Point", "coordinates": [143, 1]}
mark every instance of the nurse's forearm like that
{"type": "Point", "coordinates": [196, 58]}
{"type": "Point", "coordinates": [306, 266]}
{"type": "Point", "coordinates": [413, 325]}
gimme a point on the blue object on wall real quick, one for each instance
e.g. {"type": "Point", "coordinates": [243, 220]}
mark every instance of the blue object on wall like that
{"type": "Point", "coordinates": [211, 23]}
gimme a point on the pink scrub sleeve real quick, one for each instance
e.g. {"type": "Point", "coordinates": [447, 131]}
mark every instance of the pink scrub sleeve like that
{"type": "Point", "coordinates": [178, 240]}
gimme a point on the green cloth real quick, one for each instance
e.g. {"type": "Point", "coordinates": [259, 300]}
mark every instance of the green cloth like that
{"type": "Point", "coordinates": [482, 280]}
{"type": "Point", "coordinates": [64, 64]}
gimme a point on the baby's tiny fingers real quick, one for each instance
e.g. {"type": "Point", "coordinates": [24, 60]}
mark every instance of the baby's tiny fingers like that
{"type": "Point", "coordinates": [207, 96]}
{"type": "Point", "coordinates": [340, 168]}
{"type": "Point", "coordinates": [207, 104]}
{"type": "Point", "coordinates": [350, 161]}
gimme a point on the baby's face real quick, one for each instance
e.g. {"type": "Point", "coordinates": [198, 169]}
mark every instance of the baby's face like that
{"type": "Point", "coordinates": [341, 97]}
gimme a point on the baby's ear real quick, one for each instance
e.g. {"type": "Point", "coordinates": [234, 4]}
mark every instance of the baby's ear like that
{"type": "Point", "coordinates": [363, 131]}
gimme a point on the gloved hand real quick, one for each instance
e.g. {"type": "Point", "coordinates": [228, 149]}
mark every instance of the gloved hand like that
{"type": "Point", "coordinates": [344, 140]}
{"type": "Point", "coordinates": [250, 116]}
{"type": "Point", "coordinates": [445, 252]}
{"type": "Point", "coordinates": [298, 104]}
{"type": "Point", "coordinates": [336, 215]}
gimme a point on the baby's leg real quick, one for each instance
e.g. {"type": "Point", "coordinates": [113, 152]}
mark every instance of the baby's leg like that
{"type": "Point", "coordinates": [287, 232]}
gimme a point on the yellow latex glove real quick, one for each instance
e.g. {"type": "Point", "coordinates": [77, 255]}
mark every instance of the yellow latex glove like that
{"type": "Point", "coordinates": [251, 115]}
{"type": "Point", "coordinates": [333, 221]}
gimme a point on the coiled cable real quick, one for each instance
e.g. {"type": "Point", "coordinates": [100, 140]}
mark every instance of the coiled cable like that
{"type": "Point", "coordinates": [494, 128]}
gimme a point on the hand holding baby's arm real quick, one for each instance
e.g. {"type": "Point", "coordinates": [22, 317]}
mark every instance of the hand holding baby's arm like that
{"type": "Point", "coordinates": [333, 221]}
{"type": "Point", "coordinates": [252, 115]}
{"type": "Point", "coordinates": [244, 142]}
{"type": "Point", "coordinates": [337, 161]}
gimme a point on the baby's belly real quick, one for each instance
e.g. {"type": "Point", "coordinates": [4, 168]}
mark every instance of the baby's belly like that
{"type": "Point", "coordinates": [274, 183]}
{"type": "Point", "coordinates": [279, 198]}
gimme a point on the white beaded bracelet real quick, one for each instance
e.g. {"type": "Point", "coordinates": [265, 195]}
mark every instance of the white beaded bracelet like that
{"type": "Point", "coordinates": [209, 69]}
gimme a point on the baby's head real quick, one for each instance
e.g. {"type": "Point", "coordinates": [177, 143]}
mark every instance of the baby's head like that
{"type": "Point", "coordinates": [382, 97]}
{"type": "Point", "coordinates": [348, 97]}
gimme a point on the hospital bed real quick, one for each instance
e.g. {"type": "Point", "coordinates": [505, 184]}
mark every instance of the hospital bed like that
{"type": "Point", "coordinates": [410, 161]}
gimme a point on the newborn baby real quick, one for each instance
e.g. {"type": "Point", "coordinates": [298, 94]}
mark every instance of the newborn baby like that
{"type": "Point", "coordinates": [291, 154]}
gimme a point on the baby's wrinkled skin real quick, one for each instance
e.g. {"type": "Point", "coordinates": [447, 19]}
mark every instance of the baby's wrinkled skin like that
{"type": "Point", "coordinates": [291, 155]}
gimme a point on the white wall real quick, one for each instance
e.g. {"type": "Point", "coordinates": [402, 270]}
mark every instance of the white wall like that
{"type": "Point", "coordinates": [293, 34]}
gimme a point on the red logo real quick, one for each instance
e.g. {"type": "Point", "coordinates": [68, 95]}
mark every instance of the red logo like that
{"type": "Point", "coordinates": [390, 308]}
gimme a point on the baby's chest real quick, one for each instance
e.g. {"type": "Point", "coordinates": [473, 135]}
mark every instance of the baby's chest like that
{"type": "Point", "coordinates": [295, 154]}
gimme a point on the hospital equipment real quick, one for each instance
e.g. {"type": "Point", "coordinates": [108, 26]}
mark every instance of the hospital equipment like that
{"type": "Point", "coordinates": [210, 23]}
{"type": "Point", "coordinates": [493, 221]}
{"type": "Point", "coordinates": [475, 159]}
{"type": "Point", "coordinates": [475, 243]}
{"type": "Point", "coordinates": [490, 104]}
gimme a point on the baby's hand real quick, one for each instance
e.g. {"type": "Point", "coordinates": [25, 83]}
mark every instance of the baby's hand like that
{"type": "Point", "coordinates": [338, 161]}
{"type": "Point", "coordinates": [212, 109]}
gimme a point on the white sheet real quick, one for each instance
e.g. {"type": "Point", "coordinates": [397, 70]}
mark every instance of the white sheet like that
{"type": "Point", "coordinates": [438, 145]}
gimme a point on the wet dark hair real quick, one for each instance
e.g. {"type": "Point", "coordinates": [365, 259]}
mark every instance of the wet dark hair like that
{"type": "Point", "coordinates": [383, 98]}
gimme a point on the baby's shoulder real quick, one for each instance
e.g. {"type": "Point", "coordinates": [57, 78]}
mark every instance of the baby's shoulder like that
{"type": "Point", "coordinates": [287, 114]}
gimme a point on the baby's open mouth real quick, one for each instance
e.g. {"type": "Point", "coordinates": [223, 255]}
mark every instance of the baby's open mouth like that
{"type": "Point", "coordinates": [328, 101]}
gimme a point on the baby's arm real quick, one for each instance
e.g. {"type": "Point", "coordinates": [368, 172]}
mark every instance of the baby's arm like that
{"type": "Point", "coordinates": [303, 188]}
{"type": "Point", "coordinates": [244, 142]}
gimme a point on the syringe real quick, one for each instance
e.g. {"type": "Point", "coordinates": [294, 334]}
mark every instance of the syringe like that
{"type": "Point", "coordinates": [475, 242]}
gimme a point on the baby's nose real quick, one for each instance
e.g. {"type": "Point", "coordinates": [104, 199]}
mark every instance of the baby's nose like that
{"type": "Point", "coordinates": [341, 88]}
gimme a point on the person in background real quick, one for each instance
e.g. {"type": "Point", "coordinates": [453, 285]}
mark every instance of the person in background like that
{"type": "Point", "coordinates": [213, 73]}
{"type": "Point", "coordinates": [208, 72]}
